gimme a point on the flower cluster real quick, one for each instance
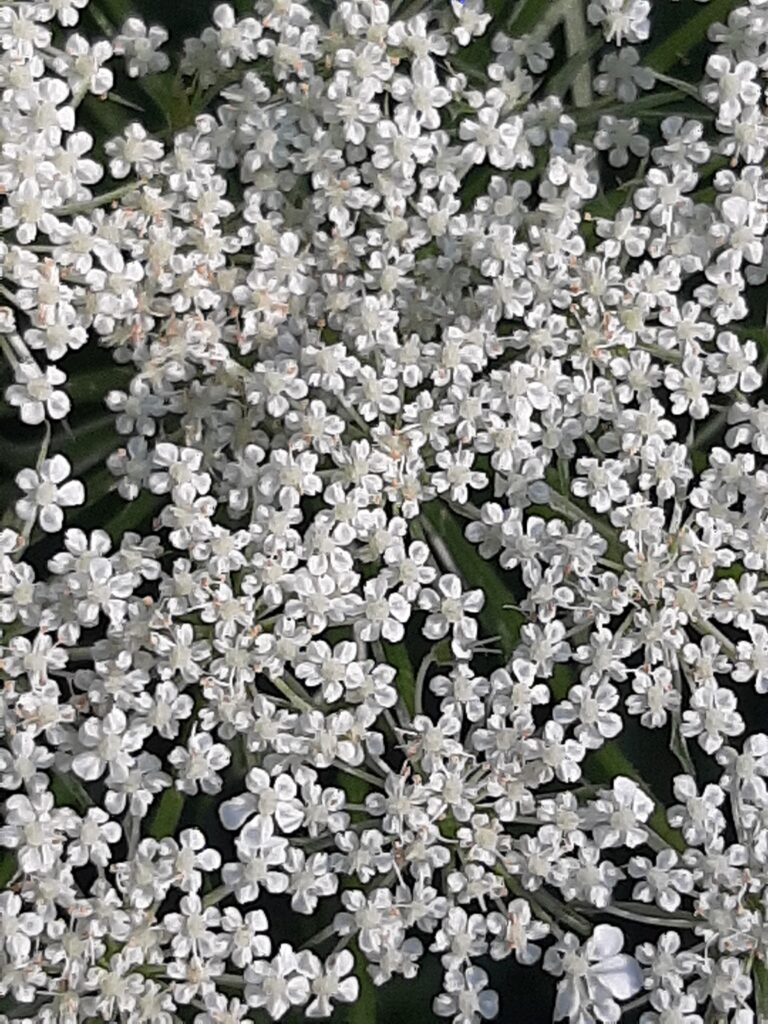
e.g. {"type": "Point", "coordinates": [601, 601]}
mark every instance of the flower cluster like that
{"type": "Point", "coordinates": [452, 447]}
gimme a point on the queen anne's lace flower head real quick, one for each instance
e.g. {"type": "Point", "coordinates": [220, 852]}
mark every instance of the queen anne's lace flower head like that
{"type": "Point", "coordinates": [440, 492]}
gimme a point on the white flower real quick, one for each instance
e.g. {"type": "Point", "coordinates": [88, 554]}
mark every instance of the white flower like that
{"type": "Point", "coordinates": [456, 474]}
{"type": "Point", "coordinates": [47, 494]}
{"type": "Point", "coordinates": [235, 39]}
{"type": "Point", "coordinates": [66, 11]}
{"type": "Point", "coordinates": [662, 882]}
{"type": "Point", "coordinates": [18, 927]}
{"type": "Point", "coordinates": [96, 833]}
{"type": "Point", "coordinates": [276, 984]}
{"type": "Point", "coordinates": [419, 97]}
{"type": "Point", "coordinates": [466, 999]}
{"type": "Point", "coordinates": [487, 137]}
{"type": "Point", "coordinates": [594, 976]}
{"type": "Point", "coordinates": [36, 830]}
{"type": "Point", "coordinates": [109, 743]}
{"type": "Point", "coordinates": [267, 800]}
{"type": "Point", "coordinates": [622, 74]}
{"type": "Point", "coordinates": [194, 929]}
{"type": "Point", "coordinates": [733, 86]}
{"type": "Point", "coordinates": [620, 813]}
{"type": "Point", "coordinates": [518, 931]}
{"type": "Point", "coordinates": [246, 941]}
{"type": "Point", "coordinates": [451, 610]}
{"type": "Point", "coordinates": [699, 817]}
{"type": "Point", "coordinates": [333, 982]}
{"type": "Point", "coordinates": [140, 45]}
{"type": "Point", "coordinates": [712, 716]}
{"type": "Point", "coordinates": [654, 696]}
{"type": "Point", "coordinates": [621, 19]}
{"type": "Point", "coordinates": [82, 65]}
{"type": "Point", "coordinates": [382, 614]}
{"type": "Point", "coordinates": [620, 138]}
{"type": "Point", "coordinates": [602, 485]}
{"type": "Point", "coordinates": [134, 149]}
{"type": "Point", "coordinates": [473, 19]}
{"type": "Point", "coordinates": [198, 764]}
{"type": "Point", "coordinates": [383, 397]}
{"type": "Point", "coordinates": [328, 667]}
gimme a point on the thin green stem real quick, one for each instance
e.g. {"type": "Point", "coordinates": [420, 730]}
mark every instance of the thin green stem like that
{"type": "Point", "coordinates": [421, 675]}
{"type": "Point", "coordinates": [629, 912]}
{"type": "Point", "coordinates": [294, 698]}
{"type": "Point", "coordinates": [101, 200]}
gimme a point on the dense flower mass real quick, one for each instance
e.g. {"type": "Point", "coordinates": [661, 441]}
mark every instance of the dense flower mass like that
{"type": "Point", "coordinates": [438, 360]}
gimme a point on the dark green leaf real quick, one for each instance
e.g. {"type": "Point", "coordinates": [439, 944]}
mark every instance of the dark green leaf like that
{"type": "Point", "coordinates": [166, 817]}
{"type": "Point", "coordinates": [692, 32]}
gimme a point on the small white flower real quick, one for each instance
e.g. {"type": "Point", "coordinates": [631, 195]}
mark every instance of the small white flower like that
{"type": "Point", "coordinates": [47, 493]}
{"type": "Point", "coordinates": [734, 85]}
{"type": "Point", "coordinates": [451, 610]}
{"type": "Point", "coordinates": [594, 976]}
{"type": "Point", "coordinates": [134, 149]}
{"type": "Point", "coordinates": [466, 999]}
{"type": "Point", "coordinates": [266, 800]}
{"type": "Point", "coordinates": [140, 46]}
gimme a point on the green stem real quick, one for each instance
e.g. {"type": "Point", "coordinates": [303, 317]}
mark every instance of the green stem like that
{"type": "Point", "coordinates": [298, 702]}
{"type": "Point", "coordinates": [678, 83]}
{"type": "Point", "coordinates": [760, 981]}
{"type": "Point", "coordinates": [639, 106]}
{"type": "Point", "coordinates": [575, 74]}
{"type": "Point", "coordinates": [421, 675]}
{"type": "Point", "coordinates": [547, 907]}
{"type": "Point", "coordinates": [101, 200]}
{"type": "Point", "coordinates": [663, 920]}
{"type": "Point", "coordinates": [113, 97]}
{"type": "Point", "coordinates": [216, 895]}
{"type": "Point", "coordinates": [712, 630]}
